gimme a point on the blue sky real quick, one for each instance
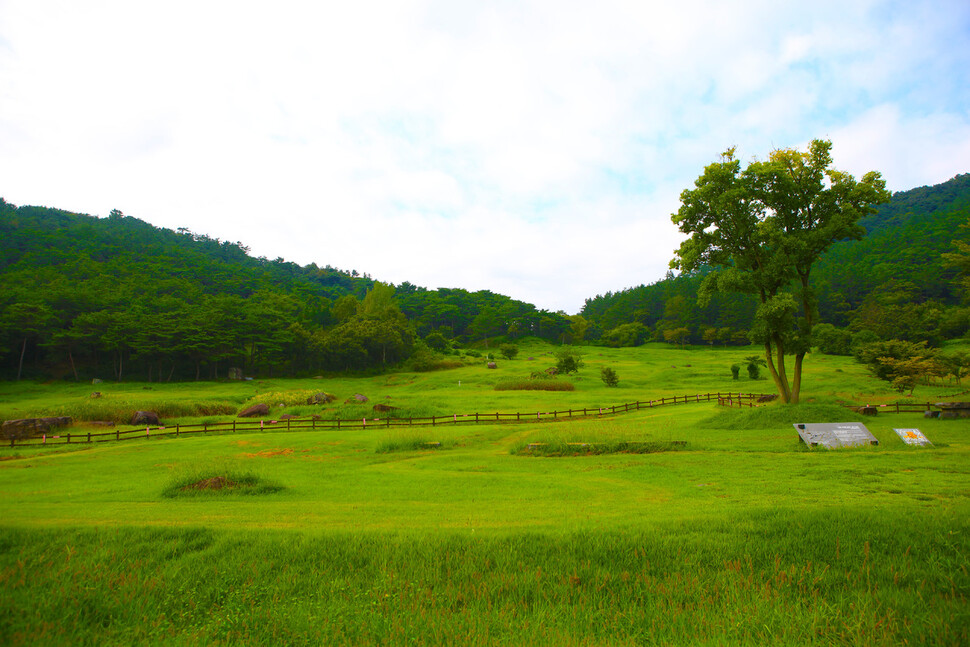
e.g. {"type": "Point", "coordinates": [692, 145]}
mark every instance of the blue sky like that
{"type": "Point", "coordinates": [536, 149]}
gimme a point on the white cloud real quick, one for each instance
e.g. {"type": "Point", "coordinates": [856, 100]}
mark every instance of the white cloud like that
{"type": "Point", "coordinates": [536, 149]}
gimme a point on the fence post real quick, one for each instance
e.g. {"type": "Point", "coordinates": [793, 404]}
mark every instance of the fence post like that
{"type": "Point", "coordinates": [432, 420]}
{"type": "Point", "coordinates": [89, 436]}
{"type": "Point", "coordinates": [68, 438]}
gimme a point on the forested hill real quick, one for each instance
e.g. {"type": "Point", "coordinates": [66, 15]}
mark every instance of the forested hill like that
{"type": "Point", "coordinates": [894, 282]}
{"type": "Point", "coordinates": [113, 297]}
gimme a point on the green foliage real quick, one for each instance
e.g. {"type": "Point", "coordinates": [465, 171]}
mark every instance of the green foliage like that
{"type": "Point", "coordinates": [735, 371]}
{"type": "Point", "coordinates": [568, 360]}
{"type": "Point", "coordinates": [609, 376]}
{"type": "Point", "coordinates": [629, 334]}
{"type": "Point", "coordinates": [831, 340]}
{"type": "Point", "coordinates": [904, 236]}
{"type": "Point", "coordinates": [509, 351]}
{"type": "Point", "coordinates": [901, 363]}
{"type": "Point", "coordinates": [436, 341]}
{"type": "Point", "coordinates": [763, 228]}
{"type": "Point", "coordinates": [753, 364]}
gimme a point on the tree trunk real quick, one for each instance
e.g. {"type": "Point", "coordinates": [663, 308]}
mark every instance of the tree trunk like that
{"type": "Point", "coordinates": [73, 368]}
{"type": "Point", "coordinates": [797, 378]}
{"type": "Point", "coordinates": [778, 371]}
{"type": "Point", "coordinates": [20, 366]}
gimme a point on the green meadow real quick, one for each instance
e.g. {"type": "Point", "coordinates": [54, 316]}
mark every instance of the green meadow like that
{"type": "Point", "coordinates": [690, 524]}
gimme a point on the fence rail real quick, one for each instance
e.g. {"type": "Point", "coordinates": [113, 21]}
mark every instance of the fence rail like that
{"type": "Point", "coordinates": [313, 424]}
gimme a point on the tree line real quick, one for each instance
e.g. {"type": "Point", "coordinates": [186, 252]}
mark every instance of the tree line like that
{"type": "Point", "coordinates": [118, 298]}
{"type": "Point", "coordinates": [902, 280]}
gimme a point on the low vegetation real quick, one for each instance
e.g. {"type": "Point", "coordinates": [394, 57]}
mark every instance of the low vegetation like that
{"type": "Point", "coordinates": [687, 524]}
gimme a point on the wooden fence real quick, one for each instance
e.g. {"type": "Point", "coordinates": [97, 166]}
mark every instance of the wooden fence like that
{"type": "Point", "coordinates": [313, 424]}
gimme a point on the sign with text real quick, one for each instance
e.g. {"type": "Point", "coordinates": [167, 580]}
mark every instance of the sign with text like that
{"type": "Point", "coordinates": [835, 434]}
{"type": "Point", "coordinates": [913, 437]}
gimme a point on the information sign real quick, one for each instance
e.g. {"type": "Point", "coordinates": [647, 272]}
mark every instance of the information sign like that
{"type": "Point", "coordinates": [913, 437]}
{"type": "Point", "coordinates": [835, 434]}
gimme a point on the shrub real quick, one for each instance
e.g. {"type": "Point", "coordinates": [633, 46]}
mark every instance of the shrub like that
{"type": "Point", "coordinates": [568, 360]}
{"type": "Point", "coordinates": [509, 351]}
{"type": "Point", "coordinates": [735, 371]}
{"type": "Point", "coordinates": [609, 376]}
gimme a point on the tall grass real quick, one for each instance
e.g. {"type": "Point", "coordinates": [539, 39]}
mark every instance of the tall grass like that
{"type": "Point", "coordinates": [841, 577]}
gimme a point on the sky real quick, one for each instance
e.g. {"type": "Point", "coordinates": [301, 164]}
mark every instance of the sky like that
{"type": "Point", "coordinates": [534, 149]}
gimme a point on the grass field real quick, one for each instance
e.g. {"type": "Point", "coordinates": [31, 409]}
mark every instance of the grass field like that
{"type": "Point", "coordinates": [455, 535]}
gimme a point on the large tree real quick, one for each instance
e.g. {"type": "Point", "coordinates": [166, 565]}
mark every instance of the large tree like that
{"type": "Point", "coordinates": [762, 228]}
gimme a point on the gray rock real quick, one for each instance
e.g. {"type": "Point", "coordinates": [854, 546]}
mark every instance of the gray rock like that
{"type": "Point", "coordinates": [144, 418]}
{"type": "Point", "coordinates": [25, 427]}
{"type": "Point", "coordinates": [255, 410]}
{"type": "Point", "coordinates": [321, 398]}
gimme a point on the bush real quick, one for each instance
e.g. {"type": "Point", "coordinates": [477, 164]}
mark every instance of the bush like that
{"type": "Point", "coordinates": [509, 351]}
{"type": "Point", "coordinates": [831, 340]}
{"type": "Point", "coordinates": [735, 371]}
{"type": "Point", "coordinates": [609, 376]}
{"type": "Point", "coordinates": [568, 360]}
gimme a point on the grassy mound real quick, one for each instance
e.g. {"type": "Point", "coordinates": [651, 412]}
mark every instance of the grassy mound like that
{"type": "Point", "coordinates": [220, 480]}
{"type": "Point", "coordinates": [535, 385]}
{"type": "Point", "coordinates": [407, 445]}
{"type": "Point", "coordinates": [778, 415]}
{"type": "Point", "coordinates": [562, 448]}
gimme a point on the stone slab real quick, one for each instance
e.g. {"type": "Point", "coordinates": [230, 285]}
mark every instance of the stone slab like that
{"type": "Point", "coordinates": [835, 434]}
{"type": "Point", "coordinates": [913, 437]}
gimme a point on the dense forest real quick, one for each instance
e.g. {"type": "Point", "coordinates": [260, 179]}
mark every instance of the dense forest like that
{"type": "Point", "coordinates": [115, 298]}
{"type": "Point", "coordinates": [901, 281]}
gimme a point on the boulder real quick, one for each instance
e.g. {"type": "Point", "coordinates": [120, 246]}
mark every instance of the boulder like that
{"type": "Point", "coordinates": [768, 398]}
{"type": "Point", "coordinates": [25, 427]}
{"type": "Point", "coordinates": [255, 410]}
{"type": "Point", "coordinates": [321, 398]}
{"type": "Point", "coordinates": [288, 416]}
{"type": "Point", "coordinates": [144, 418]}
{"type": "Point", "coordinates": [492, 365]}
{"type": "Point", "coordinates": [357, 398]}
{"type": "Point", "coordinates": [383, 407]}
{"type": "Point", "coordinates": [96, 394]}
